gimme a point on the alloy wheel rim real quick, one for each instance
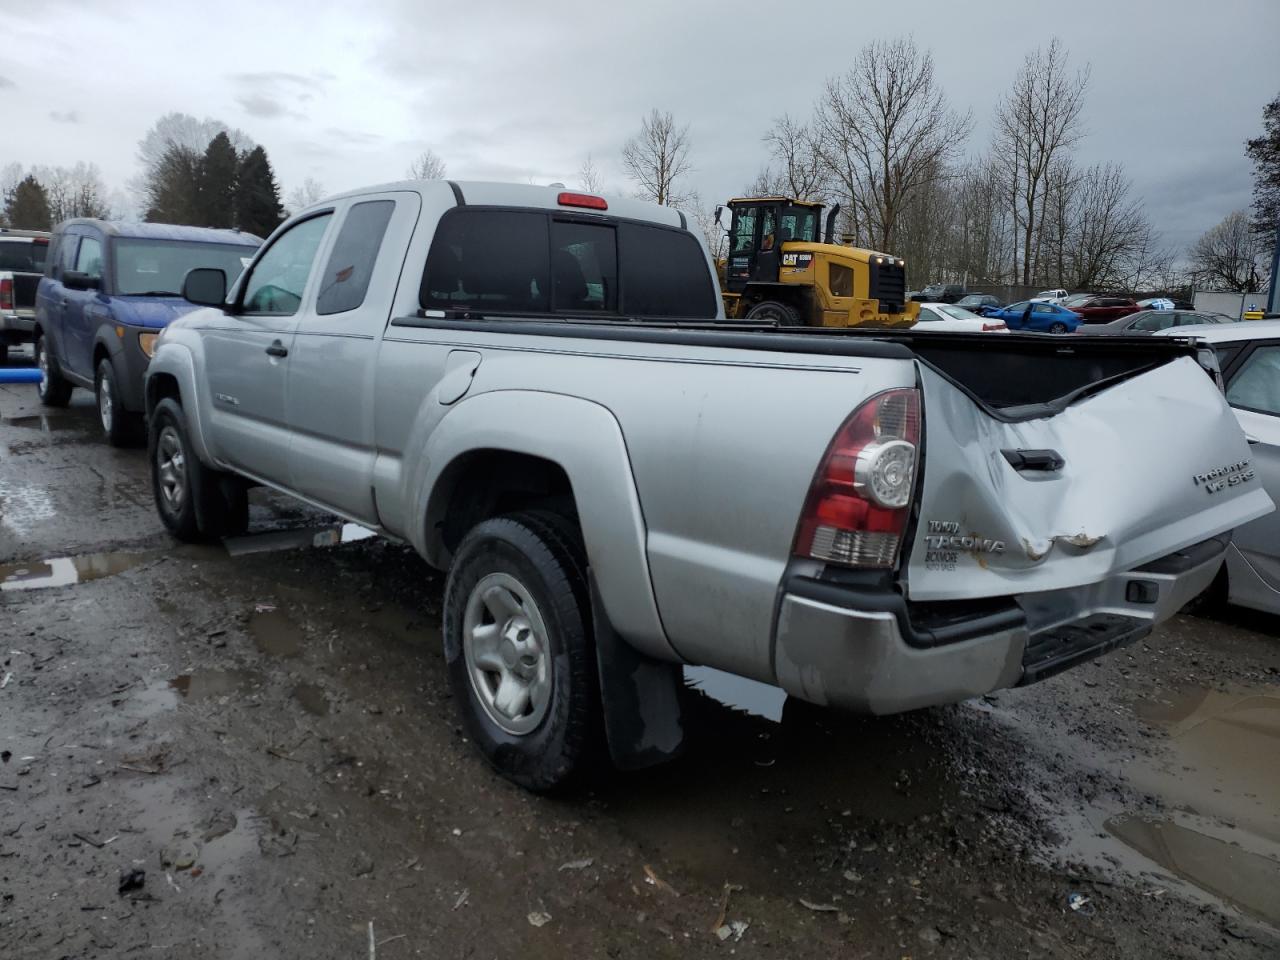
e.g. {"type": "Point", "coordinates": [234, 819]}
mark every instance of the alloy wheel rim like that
{"type": "Point", "coordinates": [104, 402]}
{"type": "Point", "coordinates": [507, 653]}
{"type": "Point", "coordinates": [171, 469]}
{"type": "Point", "coordinates": [42, 361]}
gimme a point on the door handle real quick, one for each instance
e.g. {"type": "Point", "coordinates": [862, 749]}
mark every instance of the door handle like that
{"type": "Point", "coordinates": [277, 349]}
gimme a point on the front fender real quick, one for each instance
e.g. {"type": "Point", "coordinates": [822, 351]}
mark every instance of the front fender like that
{"type": "Point", "coordinates": [585, 440]}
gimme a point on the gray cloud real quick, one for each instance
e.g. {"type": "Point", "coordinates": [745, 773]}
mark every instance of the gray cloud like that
{"type": "Point", "coordinates": [259, 105]}
{"type": "Point", "coordinates": [64, 116]}
{"type": "Point", "coordinates": [6, 83]}
{"type": "Point", "coordinates": [356, 137]}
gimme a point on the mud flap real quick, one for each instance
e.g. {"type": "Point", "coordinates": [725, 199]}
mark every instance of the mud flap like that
{"type": "Point", "coordinates": [640, 696]}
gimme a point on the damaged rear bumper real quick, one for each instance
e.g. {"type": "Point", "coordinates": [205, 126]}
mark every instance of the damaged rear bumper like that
{"type": "Point", "coordinates": [857, 649]}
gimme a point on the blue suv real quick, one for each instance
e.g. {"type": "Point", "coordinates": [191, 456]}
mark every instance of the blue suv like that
{"type": "Point", "coordinates": [108, 290]}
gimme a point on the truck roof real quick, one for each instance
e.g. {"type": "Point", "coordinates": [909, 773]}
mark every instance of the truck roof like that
{"type": "Point", "coordinates": [10, 233]}
{"type": "Point", "coordinates": [791, 200]}
{"type": "Point", "coordinates": [489, 193]}
{"type": "Point", "coordinates": [164, 231]}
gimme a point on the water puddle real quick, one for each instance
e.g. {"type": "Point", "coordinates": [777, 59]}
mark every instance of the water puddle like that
{"type": "Point", "coordinates": [327, 536]}
{"type": "Point", "coordinates": [312, 699]}
{"type": "Point", "coordinates": [49, 424]}
{"type": "Point", "coordinates": [738, 693]}
{"type": "Point", "coordinates": [1225, 748]}
{"type": "Point", "coordinates": [275, 634]}
{"type": "Point", "coordinates": [1241, 877]}
{"type": "Point", "coordinates": [63, 571]}
{"type": "Point", "coordinates": [204, 684]}
{"type": "Point", "coordinates": [24, 507]}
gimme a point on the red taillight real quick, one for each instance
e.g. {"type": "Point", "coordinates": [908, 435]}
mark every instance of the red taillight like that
{"type": "Point", "coordinates": [6, 294]}
{"type": "Point", "coordinates": [860, 498]}
{"type": "Point", "coordinates": [41, 241]}
{"type": "Point", "coordinates": [988, 327]}
{"type": "Point", "coordinates": [583, 200]}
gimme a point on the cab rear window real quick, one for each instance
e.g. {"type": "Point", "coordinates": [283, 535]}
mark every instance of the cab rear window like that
{"type": "Point", "coordinates": [525, 262]}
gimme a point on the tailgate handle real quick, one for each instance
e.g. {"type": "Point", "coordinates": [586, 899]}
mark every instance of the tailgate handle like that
{"type": "Point", "coordinates": [1049, 461]}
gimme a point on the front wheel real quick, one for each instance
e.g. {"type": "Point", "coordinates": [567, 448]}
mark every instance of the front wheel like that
{"type": "Point", "coordinates": [52, 389]}
{"type": "Point", "coordinates": [772, 311]}
{"type": "Point", "coordinates": [119, 426]}
{"type": "Point", "coordinates": [195, 502]}
{"type": "Point", "coordinates": [518, 642]}
{"type": "Point", "coordinates": [1058, 327]}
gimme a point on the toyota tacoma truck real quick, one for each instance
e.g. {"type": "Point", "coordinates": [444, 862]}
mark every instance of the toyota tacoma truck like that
{"type": "Point", "coordinates": [538, 391]}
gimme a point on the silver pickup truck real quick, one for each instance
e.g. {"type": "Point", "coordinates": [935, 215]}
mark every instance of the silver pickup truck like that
{"type": "Point", "coordinates": [538, 391]}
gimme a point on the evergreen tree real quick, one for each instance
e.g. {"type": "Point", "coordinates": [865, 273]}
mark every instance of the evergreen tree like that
{"type": "Point", "coordinates": [1264, 151]}
{"type": "Point", "coordinates": [258, 207]}
{"type": "Point", "coordinates": [27, 207]}
{"type": "Point", "coordinates": [218, 183]}
{"type": "Point", "coordinates": [173, 187]}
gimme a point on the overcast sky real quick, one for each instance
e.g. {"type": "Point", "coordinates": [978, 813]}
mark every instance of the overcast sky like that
{"type": "Point", "coordinates": [350, 92]}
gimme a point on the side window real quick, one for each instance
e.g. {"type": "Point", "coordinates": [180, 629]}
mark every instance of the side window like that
{"type": "Point", "coordinates": [488, 260]}
{"type": "Point", "coordinates": [584, 267]}
{"type": "Point", "coordinates": [1256, 386]}
{"type": "Point", "coordinates": [1044, 308]}
{"type": "Point", "coordinates": [744, 231]}
{"type": "Point", "coordinates": [927, 315]}
{"type": "Point", "coordinates": [345, 280]}
{"type": "Point", "coordinates": [769, 232]}
{"type": "Point", "coordinates": [278, 279]}
{"type": "Point", "coordinates": [664, 274]}
{"type": "Point", "coordinates": [1154, 322]}
{"type": "Point", "coordinates": [89, 259]}
{"type": "Point", "coordinates": [67, 254]}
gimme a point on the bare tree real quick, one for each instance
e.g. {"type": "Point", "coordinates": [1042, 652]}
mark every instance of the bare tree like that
{"type": "Point", "coordinates": [1036, 122]}
{"type": "Point", "coordinates": [1230, 257]}
{"type": "Point", "coordinates": [428, 166]}
{"type": "Point", "coordinates": [801, 171]}
{"type": "Point", "coordinates": [883, 130]}
{"type": "Point", "coordinates": [589, 176]}
{"type": "Point", "coordinates": [77, 191]}
{"type": "Point", "coordinates": [657, 157]}
{"type": "Point", "coordinates": [311, 191]}
{"type": "Point", "coordinates": [1109, 241]}
{"type": "Point", "coordinates": [186, 132]}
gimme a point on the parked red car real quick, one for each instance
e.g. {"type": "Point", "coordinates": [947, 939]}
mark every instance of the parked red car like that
{"type": "Point", "coordinates": [1103, 309]}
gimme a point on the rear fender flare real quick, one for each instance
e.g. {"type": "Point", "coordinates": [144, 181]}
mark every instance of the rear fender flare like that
{"type": "Point", "coordinates": [586, 441]}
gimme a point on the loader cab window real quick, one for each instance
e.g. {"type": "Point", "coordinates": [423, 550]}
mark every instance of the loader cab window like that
{"type": "Point", "coordinates": [744, 229]}
{"type": "Point", "coordinates": [800, 224]}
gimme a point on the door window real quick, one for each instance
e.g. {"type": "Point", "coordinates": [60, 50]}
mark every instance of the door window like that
{"type": "Point", "coordinates": [488, 260]}
{"type": "Point", "coordinates": [1155, 321]}
{"type": "Point", "coordinates": [1256, 386]}
{"type": "Point", "coordinates": [89, 259]}
{"type": "Point", "coordinates": [278, 279]}
{"type": "Point", "coordinates": [744, 231]}
{"type": "Point", "coordinates": [584, 267]}
{"type": "Point", "coordinates": [1044, 309]}
{"type": "Point", "coordinates": [345, 280]}
{"type": "Point", "coordinates": [67, 253]}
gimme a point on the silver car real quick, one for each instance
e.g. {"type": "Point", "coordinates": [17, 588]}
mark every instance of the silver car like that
{"type": "Point", "coordinates": [1249, 355]}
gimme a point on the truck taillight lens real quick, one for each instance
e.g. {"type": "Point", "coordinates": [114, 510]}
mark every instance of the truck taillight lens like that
{"type": "Point", "coordinates": [6, 294]}
{"type": "Point", "coordinates": [860, 498]}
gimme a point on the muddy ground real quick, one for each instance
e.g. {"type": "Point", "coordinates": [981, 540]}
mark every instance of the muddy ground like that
{"type": "Point", "coordinates": [263, 732]}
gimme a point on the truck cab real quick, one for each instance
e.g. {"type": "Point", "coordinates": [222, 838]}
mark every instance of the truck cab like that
{"type": "Point", "coordinates": [780, 268]}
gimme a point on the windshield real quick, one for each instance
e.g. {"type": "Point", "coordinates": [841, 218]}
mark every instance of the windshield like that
{"type": "Point", "coordinates": [23, 255]}
{"type": "Point", "coordinates": [799, 224]}
{"type": "Point", "coordinates": [158, 267]}
{"type": "Point", "coordinates": [957, 313]}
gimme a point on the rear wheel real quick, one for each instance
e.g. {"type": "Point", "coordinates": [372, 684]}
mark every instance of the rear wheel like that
{"type": "Point", "coordinates": [1058, 327]}
{"type": "Point", "coordinates": [518, 641]}
{"type": "Point", "coordinates": [52, 389]}
{"type": "Point", "coordinates": [119, 426]}
{"type": "Point", "coordinates": [774, 311]}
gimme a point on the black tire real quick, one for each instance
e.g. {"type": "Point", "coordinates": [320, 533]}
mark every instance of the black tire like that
{"type": "Point", "coordinates": [1057, 327]}
{"type": "Point", "coordinates": [4, 354]}
{"type": "Point", "coordinates": [52, 389]}
{"type": "Point", "coordinates": [773, 311]}
{"type": "Point", "coordinates": [195, 502]}
{"type": "Point", "coordinates": [541, 554]}
{"type": "Point", "coordinates": [120, 427]}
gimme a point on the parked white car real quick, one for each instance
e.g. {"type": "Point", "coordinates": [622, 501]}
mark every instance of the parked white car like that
{"type": "Point", "coordinates": [948, 317]}
{"type": "Point", "coordinates": [1050, 296]}
{"type": "Point", "coordinates": [1249, 355]}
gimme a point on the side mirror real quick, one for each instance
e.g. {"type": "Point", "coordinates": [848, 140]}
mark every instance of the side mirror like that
{"type": "Point", "coordinates": [75, 280]}
{"type": "Point", "coordinates": [720, 210]}
{"type": "Point", "coordinates": [205, 286]}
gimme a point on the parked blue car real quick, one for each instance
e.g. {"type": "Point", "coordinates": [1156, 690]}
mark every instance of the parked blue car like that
{"type": "Point", "coordinates": [108, 290]}
{"type": "Point", "coordinates": [1039, 317]}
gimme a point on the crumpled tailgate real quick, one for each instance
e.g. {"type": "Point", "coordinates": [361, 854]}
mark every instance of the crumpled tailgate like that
{"type": "Point", "coordinates": [1126, 493]}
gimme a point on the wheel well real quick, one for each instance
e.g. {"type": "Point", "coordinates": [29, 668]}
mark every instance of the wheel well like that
{"type": "Point", "coordinates": [99, 352]}
{"type": "Point", "coordinates": [161, 386]}
{"type": "Point", "coordinates": [489, 483]}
